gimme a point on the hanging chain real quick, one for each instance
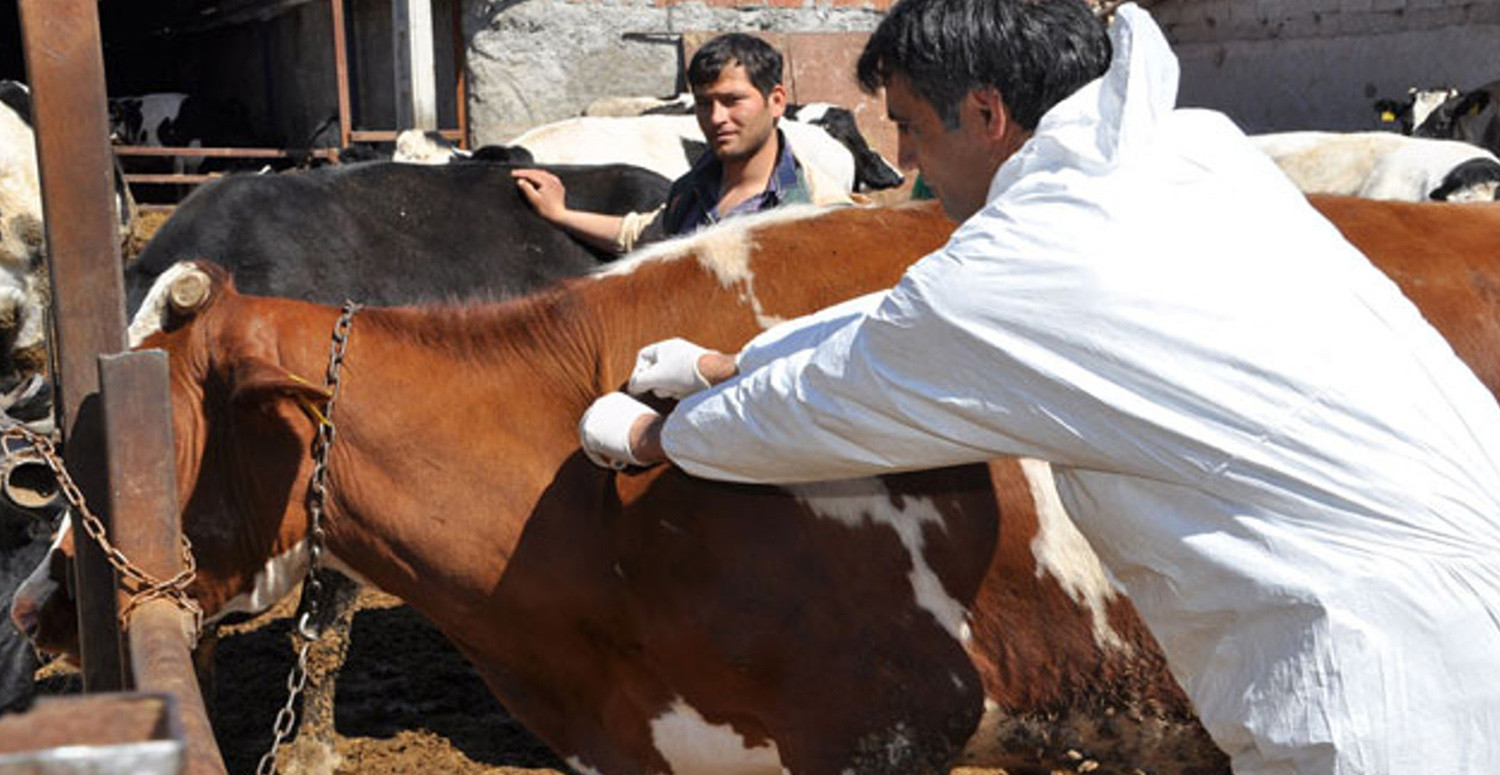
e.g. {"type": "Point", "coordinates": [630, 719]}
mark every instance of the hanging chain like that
{"type": "Point", "coordinates": [141, 586]}
{"type": "Point", "coordinates": [317, 497]}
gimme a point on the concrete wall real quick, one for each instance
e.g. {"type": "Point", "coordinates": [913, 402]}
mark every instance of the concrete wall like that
{"type": "Point", "coordinates": [1321, 64]}
{"type": "Point", "coordinates": [535, 61]}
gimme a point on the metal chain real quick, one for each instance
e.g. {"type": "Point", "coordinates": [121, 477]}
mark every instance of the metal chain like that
{"type": "Point", "coordinates": [141, 586]}
{"type": "Point", "coordinates": [317, 497]}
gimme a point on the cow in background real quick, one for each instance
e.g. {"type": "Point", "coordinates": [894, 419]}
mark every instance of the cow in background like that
{"type": "Point", "coordinates": [179, 120]}
{"type": "Point", "coordinates": [25, 285]}
{"type": "Point", "coordinates": [1404, 117]}
{"type": "Point", "coordinates": [1384, 165]}
{"type": "Point", "coordinates": [386, 233]}
{"type": "Point", "coordinates": [670, 144]}
{"type": "Point", "coordinates": [871, 171]}
{"type": "Point", "coordinates": [1473, 117]}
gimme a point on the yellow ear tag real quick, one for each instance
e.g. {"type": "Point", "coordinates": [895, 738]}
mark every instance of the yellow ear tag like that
{"type": "Point", "coordinates": [1387, 116]}
{"type": "Point", "coordinates": [307, 406]}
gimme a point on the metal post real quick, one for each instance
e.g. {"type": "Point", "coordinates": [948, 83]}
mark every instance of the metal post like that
{"type": "Point", "coordinates": [138, 413]}
{"type": "Point", "coordinates": [66, 69]}
{"type": "Point", "coordinates": [416, 76]}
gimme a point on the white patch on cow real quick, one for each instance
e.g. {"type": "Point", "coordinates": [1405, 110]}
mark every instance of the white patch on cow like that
{"type": "Point", "coordinates": [692, 746]}
{"type": "Point", "coordinates": [272, 582]}
{"type": "Point", "coordinates": [152, 316]}
{"type": "Point", "coordinates": [1062, 551]}
{"type": "Point", "coordinates": [25, 294]}
{"type": "Point", "coordinates": [39, 585]}
{"type": "Point", "coordinates": [280, 575]}
{"type": "Point", "coordinates": [858, 502]}
{"type": "Point", "coordinates": [724, 250]}
{"type": "Point", "coordinates": [1424, 101]}
{"type": "Point", "coordinates": [812, 112]}
{"type": "Point", "coordinates": [576, 764]}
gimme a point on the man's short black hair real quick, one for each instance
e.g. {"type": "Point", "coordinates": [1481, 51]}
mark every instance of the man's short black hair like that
{"type": "Point", "coordinates": [1035, 52]}
{"type": "Point", "coordinates": [761, 60]}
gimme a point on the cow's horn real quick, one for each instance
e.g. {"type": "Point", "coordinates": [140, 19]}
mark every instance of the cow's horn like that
{"type": "Point", "coordinates": [189, 291]}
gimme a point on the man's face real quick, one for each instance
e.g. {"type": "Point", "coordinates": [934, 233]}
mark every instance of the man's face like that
{"type": "Point", "coordinates": [735, 117]}
{"type": "Point", "coordinates": [957, 164]}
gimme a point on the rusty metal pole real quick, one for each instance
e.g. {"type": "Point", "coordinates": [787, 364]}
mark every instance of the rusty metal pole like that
{"type": "Point", "coordinates": [138, 413]}
{"type": "Point", "coordinates": [65, 66]}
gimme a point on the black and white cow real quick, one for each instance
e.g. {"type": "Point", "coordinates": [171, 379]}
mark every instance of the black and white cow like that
{"type": "Point", "coordinates": [669, 144]}
{"type": "Point", "coordinates": [386, 233]}
{"type": "Point", "coordinates": [871, 171]}
{"type": "Point", "coordinates": [1473, 117]}
{"type": "Point", "coordinates": [178, 120]}
{"type": "Point", "coordinates": [1383, 165]}
{"type": "Point", "coordinates": [1407, 115]}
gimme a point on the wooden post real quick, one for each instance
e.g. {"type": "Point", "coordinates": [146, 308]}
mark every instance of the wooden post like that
{"type": "Point", "coordinates": [460, 74]}
{"type": "Point", "coordinates": [137, 412]}
{"type": "Point", "coordinates": [341, 67]}
{"type": "Point", "coordinates": [66, 69]}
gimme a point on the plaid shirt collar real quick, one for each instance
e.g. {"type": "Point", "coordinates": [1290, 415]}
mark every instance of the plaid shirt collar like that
{"type": "Point", "coordinates": [708, 174]}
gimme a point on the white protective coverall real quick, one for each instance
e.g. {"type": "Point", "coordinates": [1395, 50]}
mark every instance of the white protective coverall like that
{"type": "Point", "coordinates": [1289, 470]}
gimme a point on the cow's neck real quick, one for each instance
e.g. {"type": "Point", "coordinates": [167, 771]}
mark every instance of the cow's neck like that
{"type": "Point", "coordinates": [451, 421]}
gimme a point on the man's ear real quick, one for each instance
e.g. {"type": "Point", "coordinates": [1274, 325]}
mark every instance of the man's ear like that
{"type": "Point", "coordinates": [776, 99]}
{"type": "Point", "coordinates": [990, 110]}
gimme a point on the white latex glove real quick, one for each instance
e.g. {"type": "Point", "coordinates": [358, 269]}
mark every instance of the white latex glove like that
{"type": "Point", "coordinates": [668, 368]}
{"type": "Point", "coordinates": [604, 430]}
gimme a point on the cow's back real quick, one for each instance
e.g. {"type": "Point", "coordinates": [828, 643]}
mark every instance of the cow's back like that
{"type": "Point", "coordinates": [1444, 258]}
{"type": "Point", "coordinates": [384, 233]}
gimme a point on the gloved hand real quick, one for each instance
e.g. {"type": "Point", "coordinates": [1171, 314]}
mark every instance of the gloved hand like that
{"type": "Point", "coordinates": [604, 430]}
{"type": "Point", "coordinates": [669, 369]}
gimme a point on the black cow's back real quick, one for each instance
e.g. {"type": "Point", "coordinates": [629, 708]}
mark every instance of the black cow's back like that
{"type": "Point", "coordinates": [387, 233]}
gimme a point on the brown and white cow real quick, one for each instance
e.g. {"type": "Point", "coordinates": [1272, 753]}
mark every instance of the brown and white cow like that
{"type": "Point", "coordinates": [651, 622]}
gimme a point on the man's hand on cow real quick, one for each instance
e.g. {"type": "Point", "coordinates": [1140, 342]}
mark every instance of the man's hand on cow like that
{"type": "Point", "coordinates": [544, 191]}
{"type": "Point", "coordinates": [618, 431]}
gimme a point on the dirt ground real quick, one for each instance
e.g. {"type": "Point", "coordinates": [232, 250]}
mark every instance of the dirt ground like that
{"type": "Point", "coordinates": [406, 702]}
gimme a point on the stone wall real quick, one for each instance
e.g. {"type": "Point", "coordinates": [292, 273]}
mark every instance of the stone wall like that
{"type": "Point", "coordinates": [1321, 64]}
{"type": "Point", "coordinates": [535, 61]}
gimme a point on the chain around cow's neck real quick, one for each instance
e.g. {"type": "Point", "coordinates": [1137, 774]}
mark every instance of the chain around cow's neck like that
{"type": "Point", "coordinates": [317, 498]}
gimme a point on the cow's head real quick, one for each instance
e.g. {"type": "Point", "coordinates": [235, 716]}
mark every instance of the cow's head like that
{"type": "Point", "coordinates": [127, 120]}
{"type": "Point", "coordinates": [242, 427]}
{"type": "Point", "coordinates": [871, 171]}
{"type": "Point", "coordinates": [24, 283]}
{"type": "Point", "coordinates": [1444, 119]}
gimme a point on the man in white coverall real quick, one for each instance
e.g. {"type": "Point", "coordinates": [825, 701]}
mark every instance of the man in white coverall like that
{"type": "Point", "coordinates": [1288, 469]}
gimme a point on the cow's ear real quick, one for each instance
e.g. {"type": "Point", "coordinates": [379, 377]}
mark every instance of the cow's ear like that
{"type": "Point", "coordinates": [257, 379]}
